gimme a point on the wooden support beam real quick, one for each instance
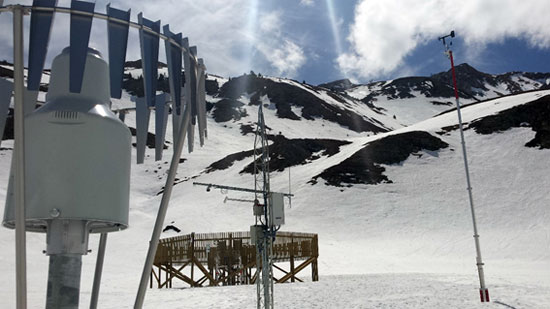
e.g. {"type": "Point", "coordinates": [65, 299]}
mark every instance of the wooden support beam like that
{"type": "Point", "coordinates": [255, 277]}
{"type": "Point", "coordinates": [286, 272]}
{"type": "Point", "coordinates": [185, 279]}
{"type": "Point", "coordinates": [192, 255]}
{"type": "Point", "coordinates": [202, 279]}
{"type": "Point", "coordinates": [296, 270]}
{"type": "Point", "coordinates": [204, 271]}
{"type": "Point", "coordinates": [292, 278]}
{"type": "Point", "coordinates": [159, 276]}
{"type": "Point", "coordinates": [171, 275]}
{"type": "Point", "coordinates": [314, 271]}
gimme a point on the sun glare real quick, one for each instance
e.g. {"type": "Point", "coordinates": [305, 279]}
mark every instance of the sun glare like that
{"type": "Point", "coordinates": [334, 26]}
{"type": "Point", "coordinates": [250, 33]}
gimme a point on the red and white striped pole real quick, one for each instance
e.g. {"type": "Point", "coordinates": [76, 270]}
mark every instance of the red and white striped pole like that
{"type": "Point", "coordinates": [483, 291]}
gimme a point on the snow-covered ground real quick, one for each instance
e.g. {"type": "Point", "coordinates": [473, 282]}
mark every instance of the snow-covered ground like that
{"type": "Point", "coordinates": [407, 244]}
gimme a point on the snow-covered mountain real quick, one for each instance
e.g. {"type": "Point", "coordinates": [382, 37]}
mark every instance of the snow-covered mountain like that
{"type": "Point", "coordinates": [377, 172]}
{"type": "Point", "coordinates": [412, 99]}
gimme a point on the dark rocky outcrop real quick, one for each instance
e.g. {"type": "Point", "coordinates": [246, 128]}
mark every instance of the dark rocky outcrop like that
{"type": "Point", "coordinates": [137, 64]}
{"type": "Point", "coordinates": [8, 129]}
{"type": "Point", "coordinates": [283, 153]}
{"type": "Point", "coordinates": [150, 139]}
{"type": "Point", "coordinates": [4, 72]}
{"type": "Point", "coordinates": [247, 128]}
{"type": "Point", "coordinates": [211, 86]}
{"type": "Point", "coordinates": [338, 85]}
{"type": "Point", "coordinates": [364, 167]}
{"type": "Point", "coordinates": [228, 109]}
{"type": "Point", "coordinates": [134, 86]}
{"type": "Point", "coordinates": [535, 114]}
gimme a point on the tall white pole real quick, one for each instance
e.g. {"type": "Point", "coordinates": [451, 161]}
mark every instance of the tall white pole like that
{"type": "Point", "coordinates": [483, 291]}
{"type": "Point", "coordinates": [19, 156]}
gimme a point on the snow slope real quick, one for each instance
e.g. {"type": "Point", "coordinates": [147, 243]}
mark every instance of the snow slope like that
{"type": "Point", "coordinates": [405, 244]}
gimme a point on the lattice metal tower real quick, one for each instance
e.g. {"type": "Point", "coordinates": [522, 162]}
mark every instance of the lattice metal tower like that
{"type": "Point", "coordinates": [264, 244]}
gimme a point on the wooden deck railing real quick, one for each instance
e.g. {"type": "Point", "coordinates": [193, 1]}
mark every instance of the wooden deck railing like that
{"type": "Point", "coordinates": [233, 254]}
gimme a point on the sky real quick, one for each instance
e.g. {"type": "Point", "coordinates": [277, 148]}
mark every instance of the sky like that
{"type": "Point", "coordinates": [324, 40]}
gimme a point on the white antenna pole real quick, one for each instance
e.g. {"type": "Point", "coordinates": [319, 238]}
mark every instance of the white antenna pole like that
{"type": "Point", "coordinates": [483, 291]}
{"type": "Point", "coordinates": [19, 158]}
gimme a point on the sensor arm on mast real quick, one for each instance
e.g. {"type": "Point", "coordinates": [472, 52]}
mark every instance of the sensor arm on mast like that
{"type": "Point", "coordinates": [215, 186]}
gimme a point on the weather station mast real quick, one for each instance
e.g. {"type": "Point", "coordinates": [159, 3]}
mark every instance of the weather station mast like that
{"type": "Point", "coordinates": [483, 291]}
{"type": "Point", "coordinates": [269, 216]}
{"type": "Point", "coordinates": [264, 233]}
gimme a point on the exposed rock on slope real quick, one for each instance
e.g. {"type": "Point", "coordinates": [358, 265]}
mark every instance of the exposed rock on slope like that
{"type": "Point", "coordinates": [283, 153]}
{"type": "Point", "coordinates": [364, 167]}
{"type": "Point", "coordinates": [228, 109]}
{"type": "Point", "coordinates": [338, 85]}
{"type": "Point", "coordinates": [535, 114]}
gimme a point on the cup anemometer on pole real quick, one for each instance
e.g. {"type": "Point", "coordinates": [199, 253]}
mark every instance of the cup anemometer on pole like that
{"type": "Point", "coordinates": [70, 172]}
{"type": "Point", "coordinates": [483, 291]}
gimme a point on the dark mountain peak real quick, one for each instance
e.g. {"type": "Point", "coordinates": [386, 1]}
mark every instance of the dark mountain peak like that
{"type": "Point", "coordinates": [338, 85]}
{"type": "Point", "coordinates": [463, 71]}
{"type": "Point", "coordinates": [137, 64]}
{"type": "Point", "coordinates": [465, 67]}
{"type": "Point", "coordinates": [471, 81]}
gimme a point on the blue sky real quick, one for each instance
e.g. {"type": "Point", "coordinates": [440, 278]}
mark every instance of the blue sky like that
{"type": "Point", "coordinates": [324, 40]}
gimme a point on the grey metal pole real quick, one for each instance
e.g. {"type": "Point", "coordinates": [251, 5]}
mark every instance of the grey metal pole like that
{"type": "Point", "coordinates": [19, 155]}
{"type": "Point", "coordinates": [153, 243]}
{"type": "Point", "coordinates": [98, 270]}
{"type": "Point", "coordinates": [289, 190]}
{"type": "Point", "coordinates": [64, 281]}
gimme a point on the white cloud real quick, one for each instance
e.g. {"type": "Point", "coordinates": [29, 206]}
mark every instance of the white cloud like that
{"type": "Point", "coordinates": [228, 34]}
{"type": "Point", "coordinates": [285, 56]}
{"type": "Point", "coordinates": [384, 32]}
{"type": "Point", "coordinates": [307, 2]}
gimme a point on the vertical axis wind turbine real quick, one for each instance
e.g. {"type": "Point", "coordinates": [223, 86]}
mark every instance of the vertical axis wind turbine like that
{"type": "Point", "coordinates": [68, 201]}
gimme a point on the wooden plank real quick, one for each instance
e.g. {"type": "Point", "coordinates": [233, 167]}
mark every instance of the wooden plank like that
{"type": "Point", "coordinates": [297, 270]}
{"type": "Point", "coordinates": [204, 271]}
{"type": "Point", "coordinates": [201, 280]}
{"type": "Point", "coordinates": [292, 278]}
{"type": "Point", "coordinates": [255, 276]}
{"type": "Point", "coordinates": [286, 272]}
{"type": "Point", "coordinates": [192, 255]}
{"type": "Point", "coordinates": [314, 270]}
{"type": "Point", "coordinates": [173, 273]}
{"type": "Point", "coordinates": [186, 279]}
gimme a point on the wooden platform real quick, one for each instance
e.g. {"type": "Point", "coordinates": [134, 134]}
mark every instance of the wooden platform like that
{"type": "Point", "coordinates": [230, 259]}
